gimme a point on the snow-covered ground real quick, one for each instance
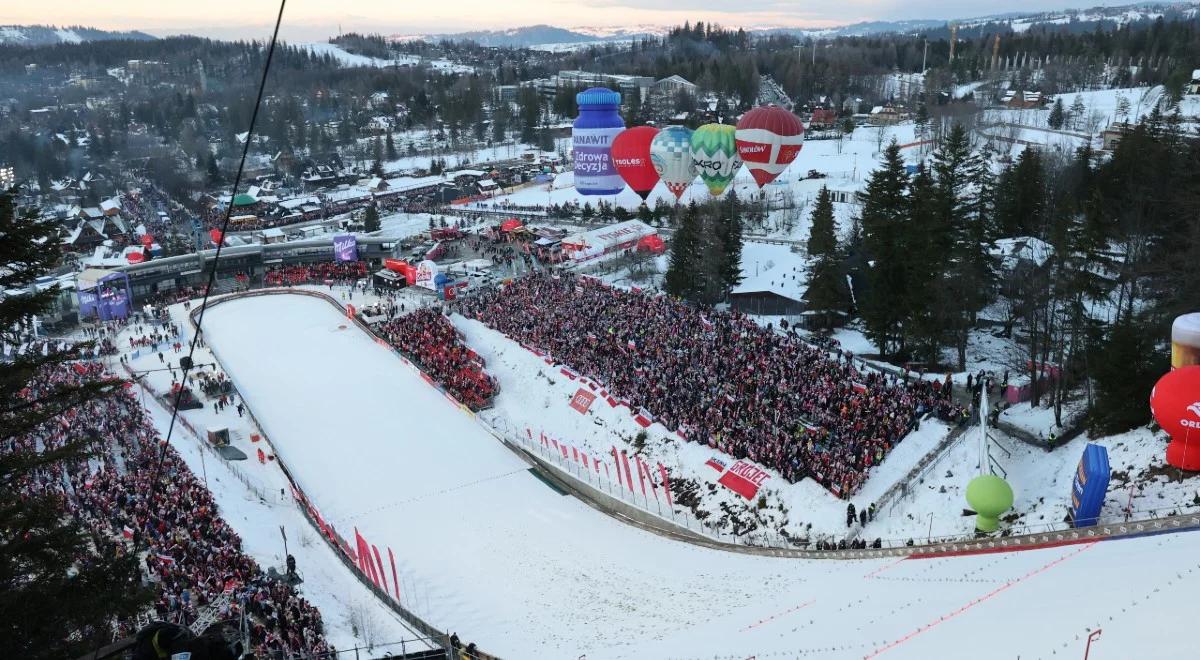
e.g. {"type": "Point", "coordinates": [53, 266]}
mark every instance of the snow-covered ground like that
{"type": "Point", "coordinates": [346, 58]}
{"type": "Point", "coordinates": [527, 572]}
{"type": "Point", "coordinates": [254, 500]}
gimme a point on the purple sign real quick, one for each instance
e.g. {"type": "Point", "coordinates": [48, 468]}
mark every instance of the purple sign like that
{"type": "Point", "coordinates": [345, 248]}
{"type": "Point", "coordinates": [108, 299]}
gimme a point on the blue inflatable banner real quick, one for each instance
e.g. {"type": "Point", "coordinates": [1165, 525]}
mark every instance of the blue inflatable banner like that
{"type": "Point", "coordinates": [1090, 486]}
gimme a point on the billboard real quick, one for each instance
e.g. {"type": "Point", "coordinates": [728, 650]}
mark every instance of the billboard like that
{"type": "Point", "coordinates": [427, 272]}
{"type": "Point", "coordinates": [345, 248]}
{"type": "Point", "coordinates": [106, 298]}
{"type": "Point", "coordinates": [1089, 486]}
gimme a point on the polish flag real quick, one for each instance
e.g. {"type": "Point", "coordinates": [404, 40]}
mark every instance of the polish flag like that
{"type": "Point", "coordinates": [127, 532]}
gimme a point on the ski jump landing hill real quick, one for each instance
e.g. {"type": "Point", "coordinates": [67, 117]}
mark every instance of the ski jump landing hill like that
{"type": "Point", "coordinates": [508, 559]}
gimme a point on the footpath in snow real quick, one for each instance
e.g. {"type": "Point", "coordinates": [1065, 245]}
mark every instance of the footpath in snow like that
{"type": "Point", "coordinates": [525, 571]}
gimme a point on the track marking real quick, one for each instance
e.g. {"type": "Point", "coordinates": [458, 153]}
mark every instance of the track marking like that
{"type": "Point", "coordinates": [884, 568]}
{"type": "Point", "coordinates": [776, 616]}
{"type": "Point", "coordinates": [987, 596]}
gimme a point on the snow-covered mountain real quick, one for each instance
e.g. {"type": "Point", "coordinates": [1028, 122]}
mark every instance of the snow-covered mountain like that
{"type": "Point", "coordinates": [45, 35]}
{"type": "Point", "coordinates": [548, 35]}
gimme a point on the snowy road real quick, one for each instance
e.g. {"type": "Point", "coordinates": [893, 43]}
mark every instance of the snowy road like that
{"type": "Point", "coordinates": [491, 552]}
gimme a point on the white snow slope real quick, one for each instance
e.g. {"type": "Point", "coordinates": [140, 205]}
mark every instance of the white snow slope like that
{"type": "Point", "coordinates": [526, 572]}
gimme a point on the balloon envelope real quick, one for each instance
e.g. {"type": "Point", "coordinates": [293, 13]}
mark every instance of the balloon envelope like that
{"type": "Point", "coordinates": [671, 153]}
{"type": "Point", "coordinates": [768, 140]}
{"type": "Point", "coordinates": [1175, 401]}
{"type": "Point", "coordinates": [714, 153]}
{"type": "Point", "coordinates": [631, 156]}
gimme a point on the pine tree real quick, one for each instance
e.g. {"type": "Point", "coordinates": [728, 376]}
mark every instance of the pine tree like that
{"type": "Point", "coordinates": [390, 146]}
{"type": "Point", "coordinates": [682, 278]}
{"type": "Point", "coordinates": [728, 230]}
{"type": "Point", "coordinates": [1125, 366]}
{"type": "Point", "coordinates": [886, 231]}
{"type": "Point", "coordinates": [52, 605]}
{"type": "Point", "coordinates": [923, 263]}
{"type": "Point", "coordinates": [1058, 115]}
{"type": "Point", "coordinates": [371, 219]}
{"type": "Point", "coordinates": [827, 293]}
{"type": "Point", "coordinates": [822, 236]}
{"type": "Point", "coordinates": [962, 195]}
{"type": "Point", "coordinates": [1021, 197]}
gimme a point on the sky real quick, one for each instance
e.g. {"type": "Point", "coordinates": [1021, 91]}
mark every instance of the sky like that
{"type": "Point", "coordinates": [319, 19]}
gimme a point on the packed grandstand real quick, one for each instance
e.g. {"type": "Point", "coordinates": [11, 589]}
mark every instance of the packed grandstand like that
{"type": "Point", "coordinates": [718, 377]}
{"type": "Point", "coordinates": [192, 554]}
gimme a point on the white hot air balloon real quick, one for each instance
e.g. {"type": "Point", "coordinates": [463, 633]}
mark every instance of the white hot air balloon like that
{"type": "Point", "coordinates": [671, 154]}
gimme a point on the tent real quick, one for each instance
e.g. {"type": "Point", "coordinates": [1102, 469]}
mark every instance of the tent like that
{"type": "Point", "coordinates": [512, 224]}
{"type": "Point", "coordinates": [652, 244]}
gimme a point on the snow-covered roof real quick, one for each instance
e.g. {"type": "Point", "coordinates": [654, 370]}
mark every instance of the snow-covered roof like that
{"type": "Point", "coordinates": [475, 173]}
{"type": "Point", "coordinates": [604, 238]}
{"type": "Point", "coordinates": [775, 270]}
{"type": "Point", "coordinates": [272, 232]}
{"type": "Point", "coordinates": [110, 205]}
{"type": "Point", "coordinates": [295, 203]}
{"type": "Point", "coordinates": [487, 183]}
{"type": "Point", "coordinates": [352, 193]}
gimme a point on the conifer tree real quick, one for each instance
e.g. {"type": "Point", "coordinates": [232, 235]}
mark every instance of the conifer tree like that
{"type": "Point", "coordinates": [60, 587]}
{"type": "Point", "coordinates": [827, 292]}
{"type": "Point", "coordinates": [682, 277]}
{"type": "Point", "coordinates": [371, 219]}
{"type": "Point", "coordinates": [885, 229]}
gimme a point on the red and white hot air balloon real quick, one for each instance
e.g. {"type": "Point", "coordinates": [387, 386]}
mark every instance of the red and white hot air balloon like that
{"type": "Point", "coordinates": [631, 157]}
{"type": "Point", "coordinates": [768, 140]}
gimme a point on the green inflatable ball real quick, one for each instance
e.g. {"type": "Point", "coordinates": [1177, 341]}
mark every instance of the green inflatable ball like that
{"type": "Point", "coordinates": [989, 496]}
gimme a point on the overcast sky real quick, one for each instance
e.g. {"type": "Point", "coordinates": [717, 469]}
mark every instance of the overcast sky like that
{"type": "Point", "coordinates": [318, 19]}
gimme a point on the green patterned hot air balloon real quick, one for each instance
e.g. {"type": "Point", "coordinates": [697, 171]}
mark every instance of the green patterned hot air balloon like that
{"type": "Point", "coordinates": [714, 152]}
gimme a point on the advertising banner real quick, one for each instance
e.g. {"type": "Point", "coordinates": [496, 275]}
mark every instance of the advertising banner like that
{"type": "Point", "coordinates": [345, 248]}
{"type": "Point", "coordinates": [582, 401]}
{"type": "Point", "coordinates": [1090, 486]}
{"type": "Point", "coordinates": [427, 272]}
{"type": "Point", "coordinates": [744, 479]}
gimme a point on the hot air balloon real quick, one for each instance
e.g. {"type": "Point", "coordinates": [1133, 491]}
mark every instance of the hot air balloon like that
{"type": "Point", "coordinates": [768, 140]}
{"type": "Point", "coordinates": [671, 153]}
{"type": "Point", "coordinates": [631, 156]}
{"type": "Point", "coordinates": [714, 152]}
{"type": "Point", "coordinates": [1175, 401]}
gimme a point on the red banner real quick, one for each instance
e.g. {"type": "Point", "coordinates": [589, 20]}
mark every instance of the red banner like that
{"type": "Point", "coordinates": [628, 473]}
{"type": "Point", "coordinates": [379, 564]}
{"type": "Point", "coordinates": [744, 479]}
{"type": "Point", "coordinates": [642, 476]}
{"type": "Point", "coordinates": [582, 401]}
{"type": "Point", "coordinates": [666, 483]}
{"type": "Point", "coordinates": [395, 580]}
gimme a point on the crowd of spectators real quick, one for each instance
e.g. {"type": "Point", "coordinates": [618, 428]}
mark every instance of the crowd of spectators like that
{"type": "Point", "coordinates": [718, 377]}
{"type": "Point", "coordinates": [325, 272]}
{"type": "Point", "coordinates": [427, 338]}
{"type": "Point", "coordinates": [191, 554]}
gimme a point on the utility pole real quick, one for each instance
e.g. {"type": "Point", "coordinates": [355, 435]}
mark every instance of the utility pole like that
{"type": "Point", "coordinates": [953, 39]}
{"type": "Point", "coordinates": [925, 57]}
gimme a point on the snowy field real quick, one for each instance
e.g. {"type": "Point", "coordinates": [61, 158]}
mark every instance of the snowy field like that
{"type": "Point", "coordinates": [527, 572]}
